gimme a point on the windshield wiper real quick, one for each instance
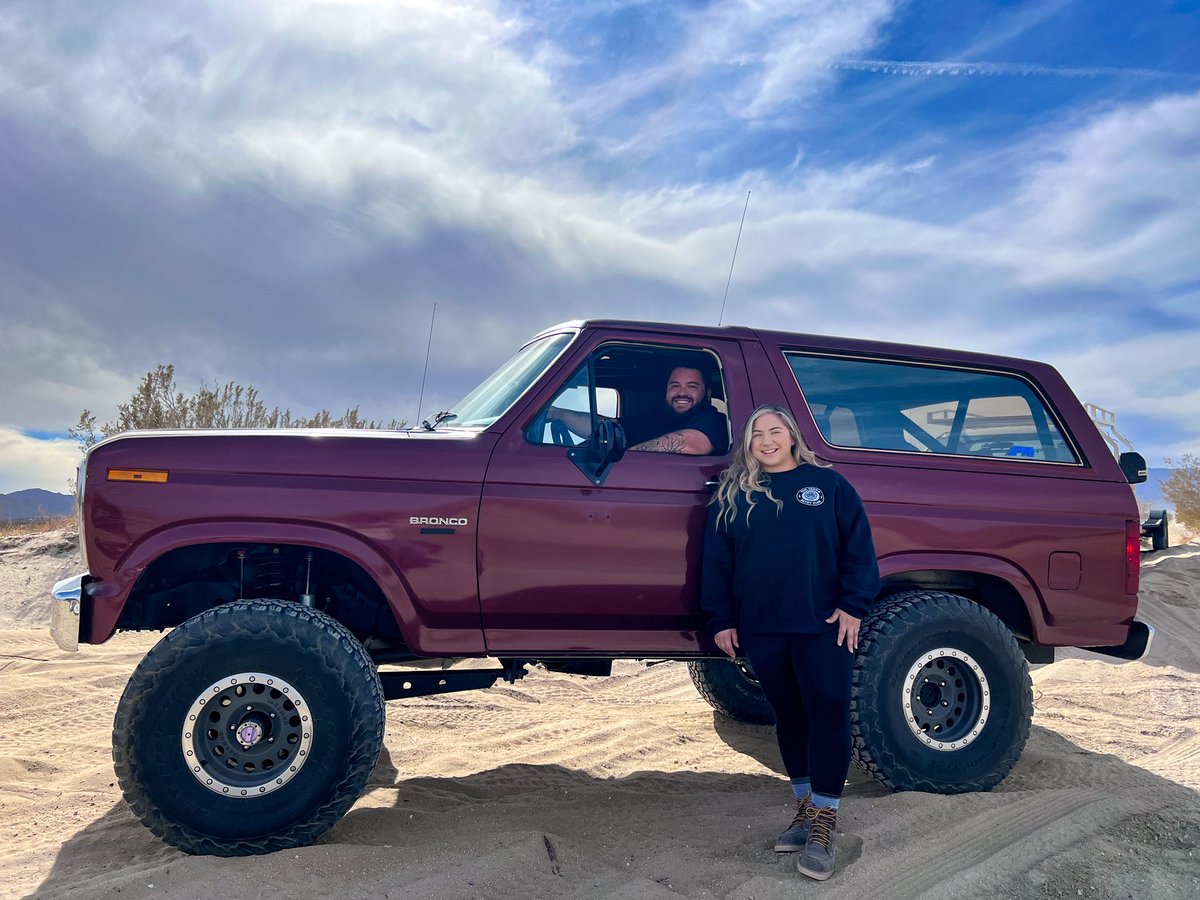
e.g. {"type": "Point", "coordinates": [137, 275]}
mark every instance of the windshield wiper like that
{"type": "Point", "coordinates": [438, 419]}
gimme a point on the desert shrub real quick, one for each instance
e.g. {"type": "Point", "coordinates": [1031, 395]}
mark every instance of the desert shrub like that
{"type": "Point", "coordinates": [27, 527]}
{"type": "Point", "coordinates": [1182, 488]}
{"type": "Point", "coordinates": [158, 403]}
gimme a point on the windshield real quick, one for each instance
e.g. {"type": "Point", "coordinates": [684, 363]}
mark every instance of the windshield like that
{"type": "Point", "coordinates": [502, 388]}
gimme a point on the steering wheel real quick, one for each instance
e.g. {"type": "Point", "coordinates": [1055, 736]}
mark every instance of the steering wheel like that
{"type": "Point", "coordinates": [560, 435]}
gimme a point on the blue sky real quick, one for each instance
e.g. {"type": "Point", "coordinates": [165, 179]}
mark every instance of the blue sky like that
{"type": "Point", "coordinates": [277, 193]}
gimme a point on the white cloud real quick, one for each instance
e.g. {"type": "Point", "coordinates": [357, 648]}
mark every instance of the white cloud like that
{"type": "Point", "coordinates": [1154, 376]}
{"type": "Point", "coordinates": [800, 49]}
{"type": "Point", "coordinates": [739, 64]}
{"type": "Point", "coordinates": [284, 189]}
{"type": "Point", "coordinates": [27, 462]}
{"type": "Point", "coordinates": [188, 92]}
{"type": "Point", "coordinates": [417, 115]}
{"type": "Point", "coordinates": [1113, 199]}
{"type": "Point", "coordinates": [52, 368]}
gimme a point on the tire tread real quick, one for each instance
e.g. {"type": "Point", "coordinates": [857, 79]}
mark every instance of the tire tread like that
{"type": "Point", "coordinates": [718, 682]}
{"type": "Point", "coordinates": [916, 609]}
{"type": "Point", "coordinates": [343, 653]}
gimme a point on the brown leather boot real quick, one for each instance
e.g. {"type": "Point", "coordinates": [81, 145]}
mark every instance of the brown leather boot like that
{"type": "Point", "coordinates": [796, 835]}
{"type": "Point", "coordinates": [818, 857]}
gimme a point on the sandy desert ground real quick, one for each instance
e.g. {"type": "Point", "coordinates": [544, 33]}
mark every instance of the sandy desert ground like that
{"type": "Point", "coordinates": [627, 787]}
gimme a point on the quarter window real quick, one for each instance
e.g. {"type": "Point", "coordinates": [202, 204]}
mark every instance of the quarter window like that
{"type": "Point", "coordinates": [883, 405]}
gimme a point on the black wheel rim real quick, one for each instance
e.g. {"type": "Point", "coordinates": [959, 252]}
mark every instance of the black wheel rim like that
{"type": "Point", "coordinates": [247, 735]}
{"type": "Point", "coordinates": [946, 699]}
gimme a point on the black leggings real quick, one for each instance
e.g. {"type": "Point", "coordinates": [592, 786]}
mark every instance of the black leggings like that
{"type": "Point", "coordinates": [806, 678]}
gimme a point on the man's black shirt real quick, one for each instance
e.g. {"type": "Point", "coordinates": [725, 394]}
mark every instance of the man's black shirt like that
{"type": "Point", "coordinates": [704, 419]}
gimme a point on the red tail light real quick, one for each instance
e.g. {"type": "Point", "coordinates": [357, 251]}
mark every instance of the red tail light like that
{"type": "Point", "coordinates": [1133, 556]}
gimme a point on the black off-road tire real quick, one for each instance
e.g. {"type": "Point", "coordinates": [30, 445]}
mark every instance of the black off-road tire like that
{"type": "Point", "coordinates": [1160, 537]}
{"type": "Point", "coordinates": [731, 689]}
{"type": "Point", "coordinates": [260, 656]}
{"type": "Point", "coordinates": [956, 665]}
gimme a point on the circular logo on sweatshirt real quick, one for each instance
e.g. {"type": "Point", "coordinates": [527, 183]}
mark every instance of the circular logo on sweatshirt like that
{"type": "Point", "coordinates": [811, 496]}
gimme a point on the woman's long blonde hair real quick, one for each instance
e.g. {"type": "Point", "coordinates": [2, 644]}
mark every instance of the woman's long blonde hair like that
{"type": "Point", "coordinates": [746, 474]}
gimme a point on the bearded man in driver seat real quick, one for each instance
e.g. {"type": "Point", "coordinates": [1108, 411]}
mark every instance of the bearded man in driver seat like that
{"type": "Point", "coordinates": [686, 423]}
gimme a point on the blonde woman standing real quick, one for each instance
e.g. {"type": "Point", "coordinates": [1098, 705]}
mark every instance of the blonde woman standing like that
{"type": "Point", "coordinates": [789, 572]}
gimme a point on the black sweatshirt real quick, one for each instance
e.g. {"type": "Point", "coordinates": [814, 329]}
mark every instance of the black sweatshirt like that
{"type": "Point", "coordinates": [787, 572]}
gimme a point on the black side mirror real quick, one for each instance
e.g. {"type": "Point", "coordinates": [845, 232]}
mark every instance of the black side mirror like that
{"type": "Point", "coordinates": [1134, 467]}
{"type": "Point", "coordinates": [604, 447]}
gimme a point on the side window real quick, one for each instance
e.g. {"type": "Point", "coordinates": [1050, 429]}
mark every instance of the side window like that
{"type": "Point", "coordinates": [883, 405]}
{"type": "Point", "coordinates": [630, 383]}
{"type": "Point", "coordinates": [573, 399]}
{"type": "Point", "coordinates": [1008, 426]}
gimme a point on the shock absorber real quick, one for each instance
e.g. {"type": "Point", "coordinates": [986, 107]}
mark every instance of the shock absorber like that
{"type": "Point", "coordinates": [307, 598]}
{"type": "Point", "coordinates": [241, 555]}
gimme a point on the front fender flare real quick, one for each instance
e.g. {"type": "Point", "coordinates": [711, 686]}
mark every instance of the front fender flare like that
{"type": "Point", "coordinates": [109, 597]}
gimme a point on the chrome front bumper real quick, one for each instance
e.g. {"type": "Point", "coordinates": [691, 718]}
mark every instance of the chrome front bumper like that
{"type": "Point", "coordinates": [64, 612]}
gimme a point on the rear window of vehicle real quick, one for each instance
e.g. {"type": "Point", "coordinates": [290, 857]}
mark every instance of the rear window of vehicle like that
{"type": "Point", "coordinates": [885, 405]}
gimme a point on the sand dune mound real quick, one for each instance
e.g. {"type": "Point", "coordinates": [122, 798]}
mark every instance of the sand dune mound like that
{"type": "Point", "coordinates": [29, 567]}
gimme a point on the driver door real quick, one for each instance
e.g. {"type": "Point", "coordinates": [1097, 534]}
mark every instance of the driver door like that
{"type": "Point", "coordinates": [569, 566]}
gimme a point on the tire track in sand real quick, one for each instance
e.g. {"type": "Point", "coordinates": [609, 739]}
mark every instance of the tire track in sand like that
{"type": "Point", "coordinates": [1043, 823]}
{"type": "Point", "coordinates": [1179, 761]}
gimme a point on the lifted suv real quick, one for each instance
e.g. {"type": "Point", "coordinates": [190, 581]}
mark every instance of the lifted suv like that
{"type": "Point", "coordinates": [307, 576]}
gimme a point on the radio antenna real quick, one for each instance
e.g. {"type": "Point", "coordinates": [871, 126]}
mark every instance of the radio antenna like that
{"type": "Point", "coordinates": [732, 261]}
{"type": "Point", "coordinates": [429, 343]}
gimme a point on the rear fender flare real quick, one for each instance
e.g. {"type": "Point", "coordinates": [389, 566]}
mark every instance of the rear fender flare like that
{"type": "Point", "coordinates": [899, 563]}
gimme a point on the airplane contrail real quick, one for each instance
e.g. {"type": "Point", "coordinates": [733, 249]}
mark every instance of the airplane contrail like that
{"type": "Point", "coordinates": [919, 67]}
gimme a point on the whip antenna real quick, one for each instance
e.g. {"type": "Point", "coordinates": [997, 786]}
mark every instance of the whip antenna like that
{"type": "Point", "coordinates": [421, 396]}
{"type": "Point", "coordinates": [732, 261]}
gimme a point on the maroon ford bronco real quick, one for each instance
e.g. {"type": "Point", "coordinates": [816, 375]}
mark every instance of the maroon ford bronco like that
{"type": "Point", "coordinates": [308, 576]}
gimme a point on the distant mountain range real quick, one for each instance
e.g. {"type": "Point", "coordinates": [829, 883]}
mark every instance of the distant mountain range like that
{"type": "Point", "coordinates": [23, 506]}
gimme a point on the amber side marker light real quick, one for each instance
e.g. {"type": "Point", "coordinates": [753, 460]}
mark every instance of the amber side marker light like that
{"type": "Point", "coordinates": [154, 476]}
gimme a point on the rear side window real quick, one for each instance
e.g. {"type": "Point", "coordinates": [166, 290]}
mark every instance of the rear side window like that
{"type": "Point", "coordinates": [883, 405]}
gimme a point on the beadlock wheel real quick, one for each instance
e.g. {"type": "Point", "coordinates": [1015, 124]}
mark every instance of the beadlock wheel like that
{"type": "Point", "coordinates": [249, 728]}
{"type": "Point", "coordinates": [942, 700]}
{"type": "Point", "coordinates": [247, 735]}
{"type": "Point", "coordinates": [946, 699]}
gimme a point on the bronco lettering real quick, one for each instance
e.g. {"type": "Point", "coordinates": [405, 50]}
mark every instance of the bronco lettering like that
{"type": "Point", "coordinates": [434, 520]}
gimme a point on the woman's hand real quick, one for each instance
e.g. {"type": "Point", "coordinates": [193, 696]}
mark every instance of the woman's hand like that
{"type": "Point", "coordinates": [727, 640]}
{"type": "Point", "coordinates": [847, 628]}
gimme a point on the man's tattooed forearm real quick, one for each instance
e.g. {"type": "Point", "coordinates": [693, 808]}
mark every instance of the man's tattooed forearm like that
{"type": "Point", "coordinates": [668, 443]}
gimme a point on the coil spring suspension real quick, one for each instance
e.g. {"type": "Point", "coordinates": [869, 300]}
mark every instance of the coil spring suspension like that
{"type": "Point", "coordinates": [270, 579]}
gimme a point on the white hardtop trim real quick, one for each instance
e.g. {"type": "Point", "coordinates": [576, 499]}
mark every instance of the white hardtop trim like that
{"type": "Point", "coordinates": [571, 327]}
